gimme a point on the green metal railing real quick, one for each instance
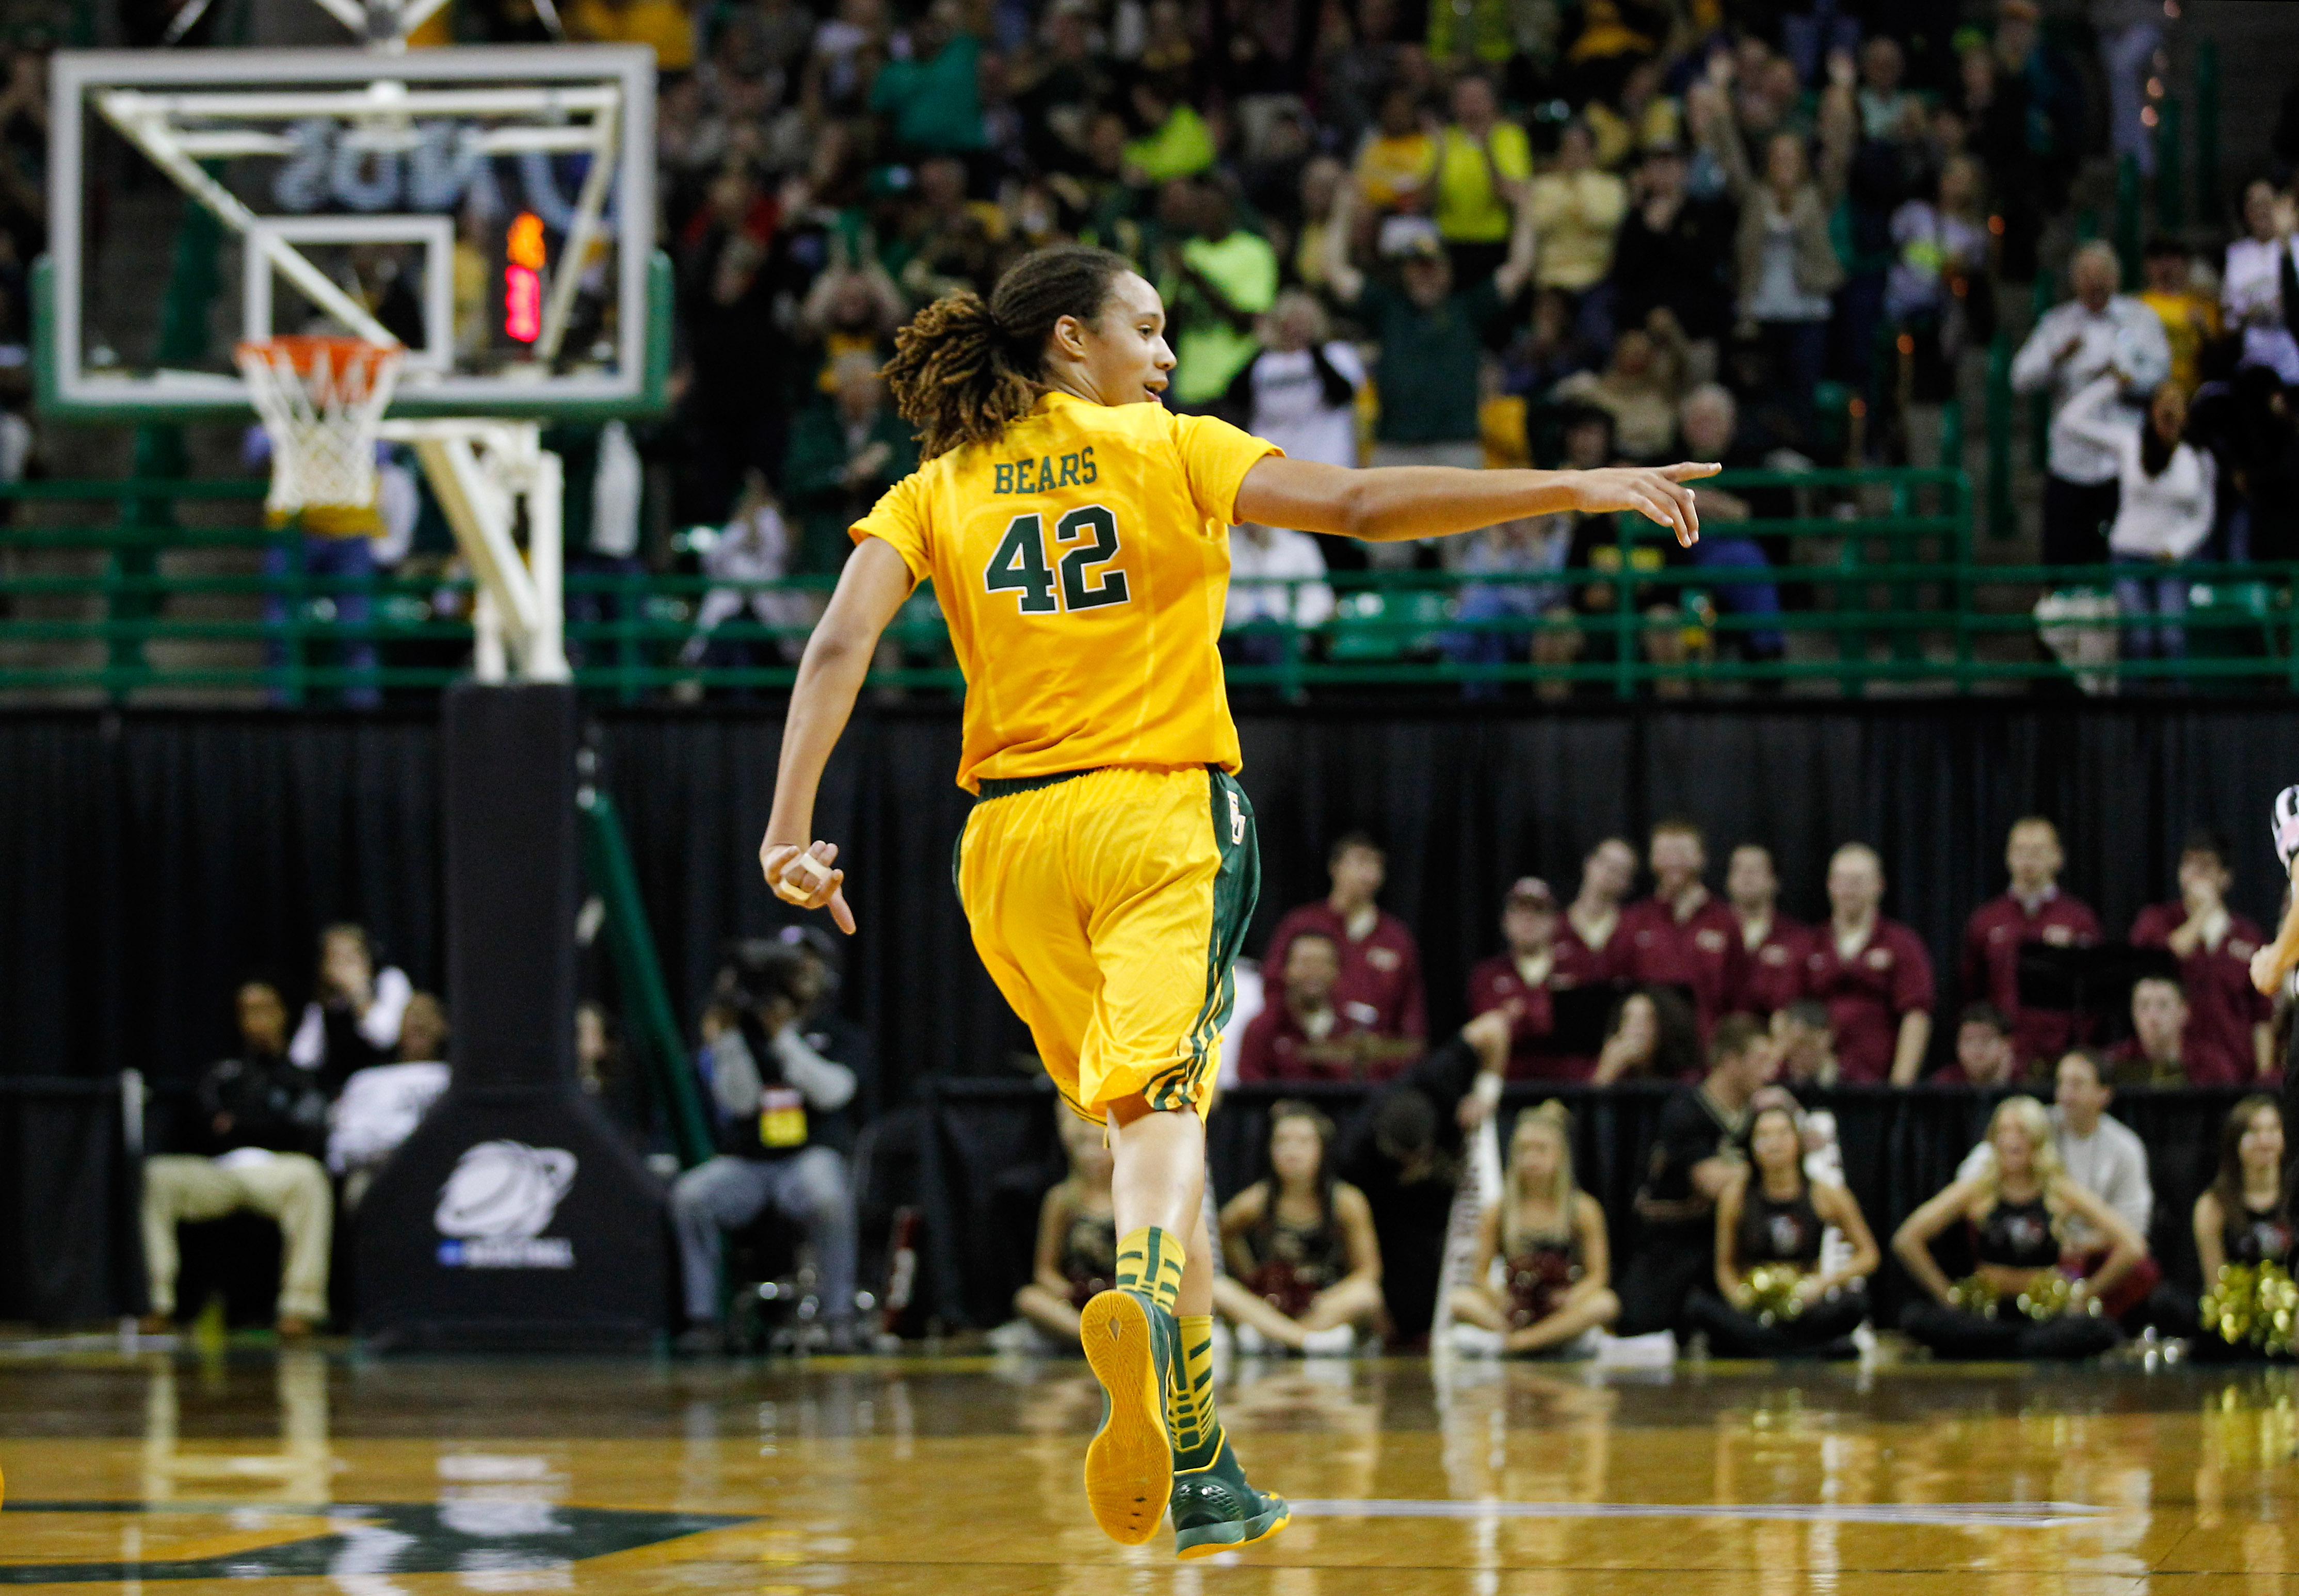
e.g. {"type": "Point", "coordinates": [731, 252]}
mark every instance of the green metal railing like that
{"type": "Point", "coordinates": [1879, 573]}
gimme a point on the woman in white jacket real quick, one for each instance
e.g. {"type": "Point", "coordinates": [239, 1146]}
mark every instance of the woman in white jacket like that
{"type": "Point", "coordinates": [2164, 514]}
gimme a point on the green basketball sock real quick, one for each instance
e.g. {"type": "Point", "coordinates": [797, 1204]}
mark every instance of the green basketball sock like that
{"type": "Point", "coordinates": [1150, 1263]}
{"type": "Point", "coordinates": [1190, 1416]}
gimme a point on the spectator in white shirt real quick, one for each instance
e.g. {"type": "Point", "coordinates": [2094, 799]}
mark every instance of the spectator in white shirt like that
{"type": "Point", "coordinates": [353, 1017]}
{"type": "Point", "coordinates": [2167, 490]}
{"type": "Point", "coordinates": [381, 1105]}
{"type": "Point", "coordinates": [756, 546]}
{"type": "Point", "coordinates": [1275, 581]}
{"type": "Point", "coordinates": [1301, 393]}
{"type": "Point", "coordinates": [1301, 389]}
{"type": "Point", "coordinates": [2075, 344]}
{"type": "Point", "coordinates": [2251, 289]}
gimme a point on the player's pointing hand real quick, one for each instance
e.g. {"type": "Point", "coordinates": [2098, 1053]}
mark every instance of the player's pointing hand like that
{"type": "Point", "coordinates": [804, 876]}
{"type": "Point", "coordinates": [1656, 492]}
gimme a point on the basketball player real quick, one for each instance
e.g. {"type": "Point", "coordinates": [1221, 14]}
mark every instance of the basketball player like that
{"type": "Point", "coordinates": [1075, 533]}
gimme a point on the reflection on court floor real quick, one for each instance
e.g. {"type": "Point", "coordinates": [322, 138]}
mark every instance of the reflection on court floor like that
{"type": "Point", "coordinates": [129, 1471]}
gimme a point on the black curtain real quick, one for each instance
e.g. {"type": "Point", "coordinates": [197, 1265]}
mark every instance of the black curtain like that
{"type": "Point", "coordinates": [151, 860]}
{"type": "Point", "coordinates": [149, 863]}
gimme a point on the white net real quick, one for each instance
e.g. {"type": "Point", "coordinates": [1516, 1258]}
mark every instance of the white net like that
{"type": "Point", "coordinates": [322, 402]}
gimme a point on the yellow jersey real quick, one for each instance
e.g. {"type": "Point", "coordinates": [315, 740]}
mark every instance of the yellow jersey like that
{"type": "Point", "coordinates": [1083, 564]}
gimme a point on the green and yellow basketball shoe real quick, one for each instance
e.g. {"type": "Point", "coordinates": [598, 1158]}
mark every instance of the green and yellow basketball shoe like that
{"type": "Point", "coordinates": [1129, 1464]}
{"type": "Point", "coordinates": [1131, 1344]}
{"type": "Point", "coordinates": [1215, 1509]}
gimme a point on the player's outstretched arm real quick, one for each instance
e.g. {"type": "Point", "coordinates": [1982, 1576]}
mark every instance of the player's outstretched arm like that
{"type": "Point", "coordinates": [837, 658]}
{"type": "Point", "coordinates": [1392, 504]}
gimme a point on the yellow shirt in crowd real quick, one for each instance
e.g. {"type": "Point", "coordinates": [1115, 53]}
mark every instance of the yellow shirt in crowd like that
{"type": "Point", "coordinates": [1575, 216]}
{"type": "Point", "coordinates": [2189, 321]}
{"type": "Point", "coordinates": [1083, 563]}
{"type": "Point", "coordinates": [1470, 206]}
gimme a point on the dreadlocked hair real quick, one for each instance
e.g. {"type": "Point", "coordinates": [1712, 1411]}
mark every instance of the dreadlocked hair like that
{"type": "Point", "coordinates": [965, 367]}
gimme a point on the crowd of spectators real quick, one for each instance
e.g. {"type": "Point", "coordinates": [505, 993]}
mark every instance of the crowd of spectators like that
{"type": "Point", "coordinates": [1393, 232]}
{"type": "Point", "coordinates": [1398, 234]}
{"type": "Point", "coordinates": [1603, 989]}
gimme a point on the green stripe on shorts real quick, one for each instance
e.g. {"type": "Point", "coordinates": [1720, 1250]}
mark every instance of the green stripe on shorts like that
{"type": "Point", "coordinates": [1237, 889]}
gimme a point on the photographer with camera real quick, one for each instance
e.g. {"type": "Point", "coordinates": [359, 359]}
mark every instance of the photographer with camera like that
{"type": "Point", "coordinates": [783, 1072]}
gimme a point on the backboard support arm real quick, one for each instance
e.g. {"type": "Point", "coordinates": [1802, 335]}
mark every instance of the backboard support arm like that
{"type": "Point", "coordinates": [483, 472]}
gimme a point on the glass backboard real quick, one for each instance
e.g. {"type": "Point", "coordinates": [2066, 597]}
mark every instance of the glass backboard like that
{"type": "Point", "coordinates": [468, 203]}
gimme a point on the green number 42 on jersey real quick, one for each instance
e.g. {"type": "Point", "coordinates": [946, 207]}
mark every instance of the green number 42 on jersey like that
{"type": "Point", "coordinates": [1019, 563]}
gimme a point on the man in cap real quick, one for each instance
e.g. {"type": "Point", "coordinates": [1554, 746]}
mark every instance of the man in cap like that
{"type": "Point", "coordinates": [1510, 993]}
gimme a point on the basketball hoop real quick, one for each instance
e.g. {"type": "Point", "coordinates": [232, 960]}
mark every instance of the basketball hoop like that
{"type": "Point", "coordinates": [322, 401]}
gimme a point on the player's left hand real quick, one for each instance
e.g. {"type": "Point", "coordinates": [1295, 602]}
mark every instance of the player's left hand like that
{"type": "Point", "coordinates": [804, 876]}
{"type": "Point", "coordinates": [1656, 492]}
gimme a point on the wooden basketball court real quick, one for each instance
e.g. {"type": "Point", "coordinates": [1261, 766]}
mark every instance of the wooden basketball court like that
{"type": "Point", "coordinates": [310, 1472]}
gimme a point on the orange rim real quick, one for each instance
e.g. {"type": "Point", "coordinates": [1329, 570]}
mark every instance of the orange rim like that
{"type": "Point", "coordinates": [347, 358]}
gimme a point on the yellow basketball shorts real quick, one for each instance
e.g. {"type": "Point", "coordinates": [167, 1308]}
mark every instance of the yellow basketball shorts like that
{"type": "Point", "coordinates": [1109, 906]}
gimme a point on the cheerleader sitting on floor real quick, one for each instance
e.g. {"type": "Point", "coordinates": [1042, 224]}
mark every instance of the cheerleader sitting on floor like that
{"type": "Point", "coordinates": [2018, 1302]}
{"type": "Point", "coordinates": [1304, 1262]}
{"type": "Point", "coordinates": [2245, 1240]}
{"type": "Point", "coordinates": [1776, 1299]}
{"type": "Point", "coordinates": [1550, 1236]}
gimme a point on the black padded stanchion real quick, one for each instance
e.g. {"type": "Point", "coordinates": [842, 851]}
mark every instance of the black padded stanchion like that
{"type": "Point", "coordinates": [514, 1217]}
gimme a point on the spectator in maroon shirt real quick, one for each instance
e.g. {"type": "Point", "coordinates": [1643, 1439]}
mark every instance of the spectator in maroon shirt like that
{"type": "Point", "coordinates": [1680, 935]}
{"type": "Point", "coordinates": [1380, 984]}
{"type": "Point", "coordinates": [1304, 1036]}
{"type": "Point", "coordinates": [1983, 1050]}
{"type": "Point", "coordinates": [1872, 973]}
{"type": "Point", "coordinates": [2035, 909]}
{"type": "Point", "coordinates": [1774, 943]}
{"type": "Point", "coordinates": [2159, 1052]}
{"type": "Point", "coordinates": [2229, 1021]}
{"type": "Point", "coordinates": [1512, 1017]}
{"type": "Point", "coordinates": [1588, 946]}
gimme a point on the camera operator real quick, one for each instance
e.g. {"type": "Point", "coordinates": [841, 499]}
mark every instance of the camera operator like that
{"type": "Point", "coordinates": [783, 1074]}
